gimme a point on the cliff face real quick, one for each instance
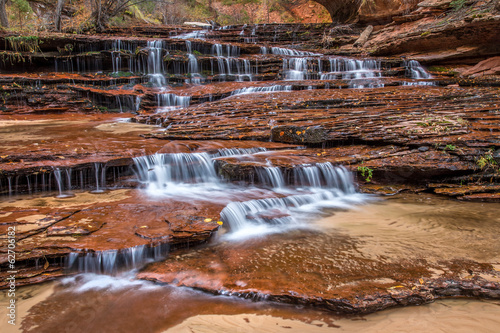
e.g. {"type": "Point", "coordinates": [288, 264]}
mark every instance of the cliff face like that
{"type": "Point", "coordinates": [438, 32]}
{"type": "Point", "coordinates": [367, 12]}
{"type": "Point", "coordinates": [441, 31]}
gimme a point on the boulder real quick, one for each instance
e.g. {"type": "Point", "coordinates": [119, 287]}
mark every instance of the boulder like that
{"type": "Point", "coordinates": [298, 134]}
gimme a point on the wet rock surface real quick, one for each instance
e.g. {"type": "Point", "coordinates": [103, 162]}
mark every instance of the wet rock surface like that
{"type": "Point", "coordinates": [350, 267]}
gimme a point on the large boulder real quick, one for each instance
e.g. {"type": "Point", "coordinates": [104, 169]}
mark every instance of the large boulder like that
{"type": "Point", "coordinates": [298, 134]}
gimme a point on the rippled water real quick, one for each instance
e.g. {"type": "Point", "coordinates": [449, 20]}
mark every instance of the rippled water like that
{"type": "Point", "coordinates": [90, 303]}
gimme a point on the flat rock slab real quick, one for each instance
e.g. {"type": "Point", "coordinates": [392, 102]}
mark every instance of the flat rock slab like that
{"type": "Point", "coordinates": [51, 228]}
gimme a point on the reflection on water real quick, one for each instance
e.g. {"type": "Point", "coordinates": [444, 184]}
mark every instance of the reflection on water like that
{"type": "Point", "coordinates": [91, 303]}
{"type": "Point", "coordinates": [423, 226]}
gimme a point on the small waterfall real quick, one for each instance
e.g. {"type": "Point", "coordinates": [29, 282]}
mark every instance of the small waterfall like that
{"type": "Point", "coordinates": [415, 71]}
{"type": "Point", "coordinates": [291, 52]}
{"type": "Point", "coordinates": [324, 175]}
{"type": "Point", "coordinates": [271, 175]}
{"type": "Point", "coordinates": [251, 90]}
{"type": "Point", "coordinates": [159, 170]}
{"type": "Point", "coordinates": [199, 34]}
{"type": "Point", "coordinates": [193, 68]}
{"type": "Point", "coordinates": [327, 186]}
{"type": "Point", "coordinates": [240, 69]}
{"type": "Point", "coordinates": [59, 177]}
{"type": "Point", "coordinates": [350, 69]}
{"type": "Point", "coordinates": [217, 50]}
{"type": "Point", "coordinates": [155, 63]}
{"type": "Point", "coordinates": [295, 69]}
{"type": "Point", "coordinates": [264, 50]}
{"type": "Point", "coordinates": [113, 261]}
{"type": "Point", "coordinates": [237, 151]}
{"type": "Point", "coordinates": [100, 177]}
{"type": "Point", "coordinates": [167, 102]}
{"type": "Point", "coordinates": [59, 181]}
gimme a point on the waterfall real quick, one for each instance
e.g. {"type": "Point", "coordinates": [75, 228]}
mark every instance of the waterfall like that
{"type": "Point", "coordinates": [324, 175]}
{"type": "Point", "coordinates": [112, 261]}
{"type": "Point", "coordinates": [59, 177]}
{"type": "Point", "coordinates": [160, 170]}
{"type": "Point", "coordinates": [251, 90]}
{"type": "Point", "coordinates": [199, 34]}
{"type": "Point", "coordinates": [193, 68]}
{"type": "Point", "coordinates": [59, 181]}
{"type": "Point", "coordinates": [325, 186]}
{"type": "Point", "coordinates": [271, 175]}
{"type": "Point", "coordinates": [155, 63]}
{"type": "Point", "coordinates": [415, 71]}
{"type": "Point", "coordinates": [217, 50]}
{"type": "Point", "coordinates": [225, 152]}
{"type": "Point", "coordinates": [169, 101]}
{"type": "Point", "coordinates": [295, 69]}
{"type": "Point", "coordinates": [100, 177]}
{"type": "Point", "coordinates": [291, 52]}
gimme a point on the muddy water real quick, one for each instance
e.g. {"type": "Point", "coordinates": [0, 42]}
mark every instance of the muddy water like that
{"type": "Point", "coordinates": [422, 226]}
{"type": "Point", "coordinates": [333, 253]}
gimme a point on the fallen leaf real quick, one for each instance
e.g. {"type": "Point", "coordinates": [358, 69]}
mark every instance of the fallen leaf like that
{"type": "Point", "coordinates": [220, 223]}
{"type": "Point", "coordinates": [208, 220]}
{"type": "Point", "coordinates": [46, 265]}
{"type": "Point", "coordinates": [421, 281]}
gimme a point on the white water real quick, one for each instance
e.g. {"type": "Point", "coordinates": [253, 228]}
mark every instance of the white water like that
{"type": "Point", "coordinates": [113, 261]}
{"type": "Point", "coordinates": [155, 63]}
{"type": "Point", "coordinates": [168, 101]}
{"type": "Point", "coordinates": [415, 71]}
{"type": "Point", "coordinates": [253, 90]}
{"type": "Point", "coordinates": [199, 34]}
{"type": "Point", "coordinates": [290, 52]}
{"type": "Point", "coordinates": [89, 281]}
{"type": "Point", "coordinates": [306, 190]}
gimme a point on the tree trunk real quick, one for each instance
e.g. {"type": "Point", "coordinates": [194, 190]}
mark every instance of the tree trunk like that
{"type": "Point", "coordinates": [3, 14]}
{"type": "Point", "coordinates": [57, 19]}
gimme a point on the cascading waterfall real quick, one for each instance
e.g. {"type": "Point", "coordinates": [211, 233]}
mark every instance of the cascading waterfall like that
{"type": "Point", "coordinates": [193, 68]}
{"type": "Point", "coordinates": [100, 177]}
{"type": "Point", "coordinates": [113, 261]}
{"type": "Point", "coordinates": [225, 152]}
{"type": "Point", "coordinates": [155, 63]}
{"type": "Point", "coordinates": [159, 171]}
{"type": "Point", "coordinates": [295, 69]}
{"type": "Point", "coordinates": [167, 102]}
{"type": "Point", "coordinates": [291, 52]}
{"type": "Point", "coordinates": [415, 71]}
{"type": "Point", "coordinates": [200, 34]}
{"type": "Point", "coordinates": [324, 186]}
{"type": "Point", "coordinates": [271, 175]}
{"type": "Point", "coordinates": [252, 90]}
{"type": "Point", "coordinates": [162, 170]}
{"type": "Point", "coordinates": [350, 69]}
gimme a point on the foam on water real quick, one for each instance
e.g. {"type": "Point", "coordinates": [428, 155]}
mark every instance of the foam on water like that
{"type": "Point", "coordinates": [89, 281]}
